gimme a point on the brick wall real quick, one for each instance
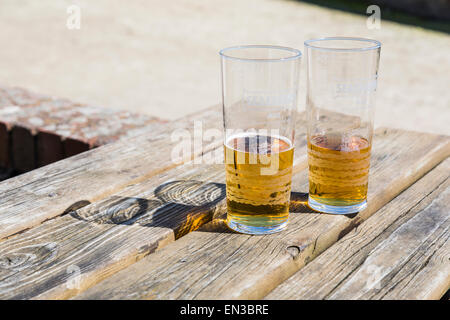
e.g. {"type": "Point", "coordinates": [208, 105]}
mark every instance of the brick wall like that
{"type": "Point", "coordinates": [36, 130]}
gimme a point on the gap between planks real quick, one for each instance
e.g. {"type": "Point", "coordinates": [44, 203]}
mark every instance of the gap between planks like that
{"type": "Point", "coordinates": [215, 263]}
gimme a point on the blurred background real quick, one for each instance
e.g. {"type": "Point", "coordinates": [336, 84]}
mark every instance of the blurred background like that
{"type": "Point", "coordinates": [161, 58]}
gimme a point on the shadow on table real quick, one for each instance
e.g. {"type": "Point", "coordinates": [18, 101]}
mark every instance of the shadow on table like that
{"type": "Point", "coordinates": [299, 204]}
{"type": "Point", "coordinates": [181, 205]}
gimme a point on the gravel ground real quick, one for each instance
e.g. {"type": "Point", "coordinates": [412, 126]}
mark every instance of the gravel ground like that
{"type": "Point", "coordinates": [160, 57]}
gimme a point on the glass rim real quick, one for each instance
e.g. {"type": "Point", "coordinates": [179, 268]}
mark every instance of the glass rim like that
{"type": "Point", "coordinates": [377, 44]}
{"type": "Point", "coordinates": [297, 52]}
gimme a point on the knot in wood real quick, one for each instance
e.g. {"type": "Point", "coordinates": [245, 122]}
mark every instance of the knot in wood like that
{"type": "Point", "coordinates": [118, 210]}
{"type": "Point", "coordinates": [294, 251]}
{"type": "Point", "coordinates": [191, 193]}
{"type": "Point", "coordinates": [29, 256]}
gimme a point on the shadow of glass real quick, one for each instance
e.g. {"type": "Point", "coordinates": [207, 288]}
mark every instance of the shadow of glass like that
{"type": "Point", "coordinates": [182, 205]}
{"type": "Point", "coordinates": [218, 225]}
{"type": "Point", "coordinates": [299, 204]}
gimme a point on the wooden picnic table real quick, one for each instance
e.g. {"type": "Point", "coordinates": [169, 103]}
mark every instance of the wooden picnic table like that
{"type": "Point", "coordinates": [124, 222]}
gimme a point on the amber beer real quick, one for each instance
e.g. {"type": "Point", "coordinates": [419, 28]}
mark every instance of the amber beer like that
{"type": "Point", "coordinates": [258, 180]}
{"type": "Point", "coordinates": [342, 76]}
{"type": "Point", "coordinates": [338, 169]}
{"type": "Point", "coordinates": [259, 98]}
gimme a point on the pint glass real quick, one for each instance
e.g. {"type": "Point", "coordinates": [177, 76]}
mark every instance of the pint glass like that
{"type": "Point", "coordinates": [341, 83]}
{"type": "Point", "coordinates": [259, 91]}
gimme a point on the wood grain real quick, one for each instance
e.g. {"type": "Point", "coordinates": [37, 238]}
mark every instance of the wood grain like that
{"type": "Point", "coordinates": [401, 252]}
{"type": "Point", "coordinates": [44, 193]}
{"type": "Point", "coordinates": [413, 263]}
{"type": "Point", "coordinates": [101, 238]}
{"type": "Point", "coordinates": [215, 263]}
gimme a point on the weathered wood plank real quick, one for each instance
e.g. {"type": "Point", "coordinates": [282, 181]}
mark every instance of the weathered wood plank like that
{"type": "Point", "coordinates": [401, 252]}
{"type": "Point", "coordinates": [104, 237]}
{"type": "Point", "coordinates": [213, 262]}
{"type": "Point", "coordinates": [41, 194]}
{"type": "Point", "coordinates": [413, 262]}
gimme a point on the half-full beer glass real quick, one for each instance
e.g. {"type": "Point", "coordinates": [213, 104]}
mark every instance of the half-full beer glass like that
{"type": "Point", "coordinates": [341, 83]}
{"type": "Point", "coordinates": [259, 88]}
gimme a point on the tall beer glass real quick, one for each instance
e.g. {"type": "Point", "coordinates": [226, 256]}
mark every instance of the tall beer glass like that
{"type": "Point", "coordinates": [341, 83]}
{"type": "Point", "coordinates": [259, 87]}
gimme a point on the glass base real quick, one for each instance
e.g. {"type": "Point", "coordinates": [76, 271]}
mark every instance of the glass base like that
{"type": "Point", "coordinates": [325, 208]}
{"type": "Point", "coordinates": [242, 228]}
